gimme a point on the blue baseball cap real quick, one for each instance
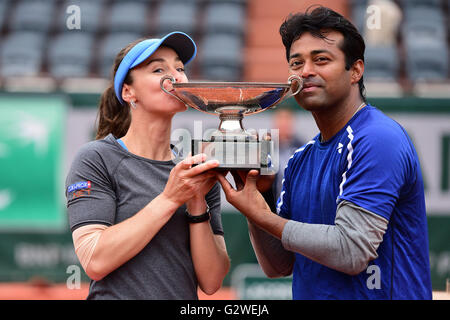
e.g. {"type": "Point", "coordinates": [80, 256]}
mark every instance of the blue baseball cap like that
{"type": "Point", "coordinates": [183, 45]}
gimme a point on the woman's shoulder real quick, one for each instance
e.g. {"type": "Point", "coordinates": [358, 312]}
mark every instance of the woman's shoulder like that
{"type": "Point", "coordinates": [96, 150]}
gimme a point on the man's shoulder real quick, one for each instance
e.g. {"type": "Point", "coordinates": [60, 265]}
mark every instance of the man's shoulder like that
{"type": "Point", "coordinates": [377, 126]}
{"type": "Point", "coordinates": [299, 153]}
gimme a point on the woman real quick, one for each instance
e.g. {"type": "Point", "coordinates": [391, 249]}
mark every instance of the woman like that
{"type": "Point", "coordinates": [143, 227]}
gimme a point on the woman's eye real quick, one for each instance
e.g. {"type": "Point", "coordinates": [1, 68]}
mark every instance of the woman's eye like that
{"type": "Point", "coordinates": [180, 69]}
{"type": "Point", "coordinates": [159, 70]}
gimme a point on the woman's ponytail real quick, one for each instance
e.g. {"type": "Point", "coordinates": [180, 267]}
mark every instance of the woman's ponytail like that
{"type": "Point", "coordinates": [113, 117]}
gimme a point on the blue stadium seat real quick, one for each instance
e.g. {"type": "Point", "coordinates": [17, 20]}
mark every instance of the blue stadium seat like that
{"type": "Point", "coordinates": [225, 17]}
{"type": "Point", "coordinates": [358, 16]}
{"type": "Point", "coordinates": [434, 14]}
{"type": "Point", "coordinates": [407, 4]}
{"type": "Point", "coordinates": [129, 16]}
{"type": "Point", "coordinates": [381, 63]}
{"type": "Point", "coordinates": [22, 54]}
{"type": "Point", "coordinates": [110, 47]}
{"type": "Point", "coordinates": [70, 55]}
{"type": "Point", "coordinates": [176, 16]}
{"type": "Point", "coordinates": [33, 15]}
{"type": "Point", "coordinates": [4, 6]}
{"type": "Point", "coordinates": [221, 57]}
{"type": "Point", "coordinates": [420, 32]}
{"type": "Point", "coordinates": [427, 63]}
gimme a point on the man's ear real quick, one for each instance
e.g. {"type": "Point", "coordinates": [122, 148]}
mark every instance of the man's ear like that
{"type": "Point", "coordinates": [128, 93]}
{"type": "Point", "coordinates": [357, 71]}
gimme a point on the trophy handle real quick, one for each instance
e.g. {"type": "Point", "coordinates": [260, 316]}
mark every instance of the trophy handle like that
{"type": "Point", "coordinates": [172, 80]}
{"type": "Point", "coordinates": [291, 80]}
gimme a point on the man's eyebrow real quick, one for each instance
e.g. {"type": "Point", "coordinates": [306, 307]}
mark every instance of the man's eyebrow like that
{"type": "Point", "coordinates": [313, 53]}
{"type": "Point", "coordinates": [295, 55]}
{"type": "Point", "coordinates": [316, 52]}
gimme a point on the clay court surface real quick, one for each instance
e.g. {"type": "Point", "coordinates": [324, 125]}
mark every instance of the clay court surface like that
{"type": "Point", "coordinates": [39, 291]}
{"type": "Point", "coordinates": [26, 291]}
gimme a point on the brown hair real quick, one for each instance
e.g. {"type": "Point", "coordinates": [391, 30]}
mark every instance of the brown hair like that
{"type": "Point", "coordinates": [112, 116]}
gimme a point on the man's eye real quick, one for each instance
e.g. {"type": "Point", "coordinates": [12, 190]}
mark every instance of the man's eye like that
{"type": "Point", "coordinates": [322, 59]}
{"type": "Point", "coordinates": [295, 64]}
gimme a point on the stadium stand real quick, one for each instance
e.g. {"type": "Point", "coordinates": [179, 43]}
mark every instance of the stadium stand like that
{"type": "Point", "coordinates": [177, 15]}
{"type": "Point", "coordinates": [110, 46]}
{"type": "Point", "coordinates": [22, 54]}
{"type": "Point", "coordinates": [70, 55]}
{"type": "Point", "coordinates": [237, 40]}
{"type": "Point", "coordinates": [225, 17]}
{"type": "Point", "coordinates": [221, 56]}
{"type": "Point", "coordinates": [33, 15]}
{"type": "Point", "coordinates": [382, 63]}
{"type": "Point", "coordinates": [128, 16]}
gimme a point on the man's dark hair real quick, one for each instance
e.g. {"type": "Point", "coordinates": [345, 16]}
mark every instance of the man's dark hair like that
{"type": "Point", "coordinates": [318, 22]}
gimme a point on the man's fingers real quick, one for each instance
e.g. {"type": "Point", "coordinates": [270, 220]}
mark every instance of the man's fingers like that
{"type": "Point", "coordinates": [226, 186]}
{"type": "Point", "coordinates": [252, 177]}
{"type": "Point", "coordinates": [237, 180]}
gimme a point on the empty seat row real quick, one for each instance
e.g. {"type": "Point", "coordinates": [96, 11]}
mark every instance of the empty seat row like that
{"type": "Point", "coordinates": [126, 16]}
{"type": "Point", "coordinates": [76, 54]}
{"type": "Point", "coordinates": [382, 63]}
{"type": "Point", "coordinates": [423, 29]}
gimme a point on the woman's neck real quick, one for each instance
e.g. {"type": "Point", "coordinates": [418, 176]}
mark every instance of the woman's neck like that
{"type": "Point", "coordinates": [150, 139]}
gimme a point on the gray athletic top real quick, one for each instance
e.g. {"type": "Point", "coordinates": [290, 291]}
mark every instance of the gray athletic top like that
{"type": "Point", "coordinates": [107, 184]}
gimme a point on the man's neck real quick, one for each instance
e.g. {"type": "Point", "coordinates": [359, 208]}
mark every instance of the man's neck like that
{"type": "Point", "coordinates": [332, 120]}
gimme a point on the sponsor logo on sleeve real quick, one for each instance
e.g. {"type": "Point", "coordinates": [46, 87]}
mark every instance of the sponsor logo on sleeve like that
{"type": "Point", "coordinates": [79, 189]}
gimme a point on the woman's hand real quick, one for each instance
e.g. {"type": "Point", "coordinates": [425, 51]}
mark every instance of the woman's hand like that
{"type": "Point", "coordinates": [186, 182]}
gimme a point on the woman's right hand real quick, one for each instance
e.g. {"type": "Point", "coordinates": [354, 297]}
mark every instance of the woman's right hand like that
{"type": "Point", "coordinates": [186, 181]}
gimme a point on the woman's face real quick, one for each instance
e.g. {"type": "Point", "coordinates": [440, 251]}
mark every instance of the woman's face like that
{"type": "Point", "coordinates": [145, 89]}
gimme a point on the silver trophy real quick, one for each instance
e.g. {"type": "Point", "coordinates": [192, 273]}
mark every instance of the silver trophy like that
{"type": "Point", "coordinates": [232, 145]}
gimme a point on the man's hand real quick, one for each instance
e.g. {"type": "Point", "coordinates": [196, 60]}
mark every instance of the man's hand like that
{"type": "Point", "coordinates": [247, 199]}
{"type": "Point", "coordinates": [250, 202]}
{"type": "Point", "coordinates": [263, 182]}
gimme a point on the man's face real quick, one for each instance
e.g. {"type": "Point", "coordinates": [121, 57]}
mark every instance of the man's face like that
{"type": "Point", "coordinates": [321, 65]}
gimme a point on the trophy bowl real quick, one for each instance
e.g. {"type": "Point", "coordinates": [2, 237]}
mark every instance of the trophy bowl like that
{"type": "Point", "coordinates": [231, 144]}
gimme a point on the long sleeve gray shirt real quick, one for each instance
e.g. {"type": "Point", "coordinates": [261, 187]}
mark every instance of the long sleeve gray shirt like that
{"type": "Point", "coordinates": [347, 246]}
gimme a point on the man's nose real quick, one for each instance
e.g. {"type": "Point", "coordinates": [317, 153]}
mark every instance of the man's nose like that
{"type": "Point", "coordinates": [308, 70]}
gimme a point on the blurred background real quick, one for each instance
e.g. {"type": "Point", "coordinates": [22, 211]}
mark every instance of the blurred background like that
{"type": "Point", "coordinates": [55, 60]}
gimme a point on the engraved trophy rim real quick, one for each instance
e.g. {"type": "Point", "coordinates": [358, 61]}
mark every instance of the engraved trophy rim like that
{"type": "Point", "coordinates": [246, 106]}
{"type": "Point", "coordinates": [230, 143]}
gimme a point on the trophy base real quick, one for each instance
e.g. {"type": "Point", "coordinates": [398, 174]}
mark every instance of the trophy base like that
{"type": "Point", "coordinates": [238, 155]}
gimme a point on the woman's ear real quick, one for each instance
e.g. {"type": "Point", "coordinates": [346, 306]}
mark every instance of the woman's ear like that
{"type": "Point", "coordinates": [357, 71]}
{"type": "Point", "coordinates": [128, 93]}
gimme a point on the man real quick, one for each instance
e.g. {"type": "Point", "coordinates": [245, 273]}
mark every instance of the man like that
{"type": "Point", "coordinates": [351, 220]}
